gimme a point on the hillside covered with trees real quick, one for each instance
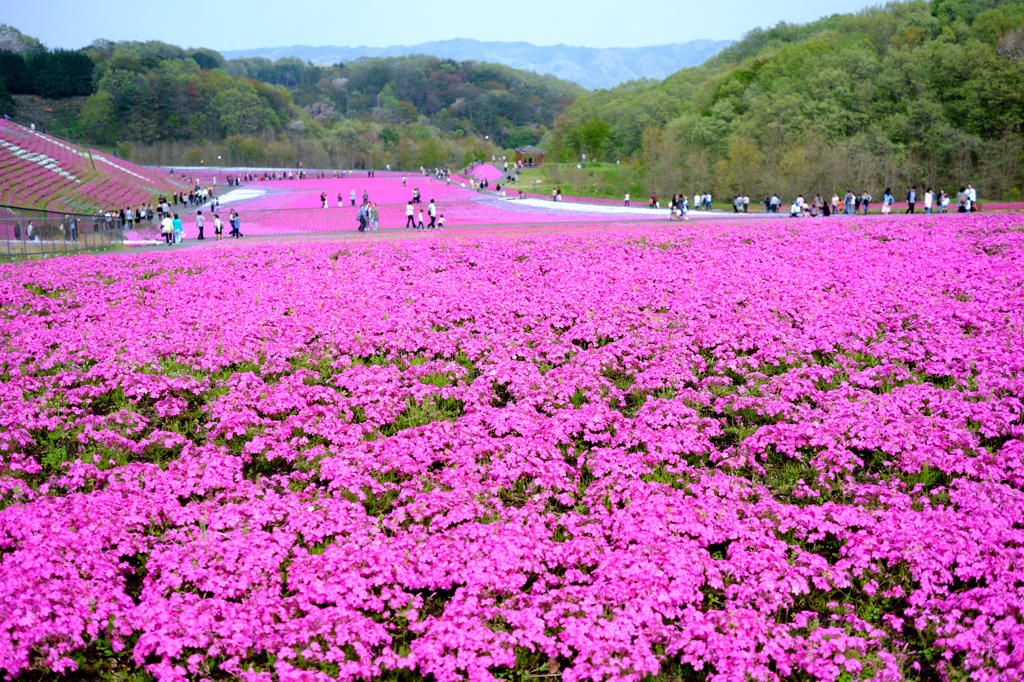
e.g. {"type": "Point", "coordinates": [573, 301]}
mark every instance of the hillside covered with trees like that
{"type": "Point", "coordinates": [912, 92]}
{"type": "Point", "coordinates": [164, 104]}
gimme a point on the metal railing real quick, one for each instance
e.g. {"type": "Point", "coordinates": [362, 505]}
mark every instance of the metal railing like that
{"type": "Point", "coordinates": [26, 232]}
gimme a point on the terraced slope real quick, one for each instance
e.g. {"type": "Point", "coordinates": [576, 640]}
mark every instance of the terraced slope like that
{"type": "Point", "coordinates": [40, 171]}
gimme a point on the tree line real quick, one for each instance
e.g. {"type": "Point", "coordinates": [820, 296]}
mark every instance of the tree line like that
{"type": "Point", "coordinates": [910, 93]}
{"type": "Point", "coordinates": [460, 98]}
{"type": "Point", "coordinates": [161, 101]}
{"type": "Point", "coordinates": [47, 73]}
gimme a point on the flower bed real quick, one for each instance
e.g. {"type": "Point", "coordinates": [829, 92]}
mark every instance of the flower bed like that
{"type": "Point", "coordinates": [729, 451]}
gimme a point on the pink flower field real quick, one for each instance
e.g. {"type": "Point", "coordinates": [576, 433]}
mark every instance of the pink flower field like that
{"type": "Point", "coordinates": [724, 451]}
{"type": "Point", "coordinates": [296, 194]}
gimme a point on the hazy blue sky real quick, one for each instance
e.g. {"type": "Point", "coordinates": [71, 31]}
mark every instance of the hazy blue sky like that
{"type": "Point", "coordinates": [235, 24]}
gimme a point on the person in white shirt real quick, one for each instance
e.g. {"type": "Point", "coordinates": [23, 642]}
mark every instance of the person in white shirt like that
{"type": "Point", "coordinates": [929, 198]}
{"type": "Point", "coordinates": [409, 222]}
{"type": "Point", "coordinates": [972, 195]}
{"type": "Point", "coordinates": [200, 223]}
{"type": "Point", "coordinates": [218, 227]}
{"type": "Point", "coordinates": [627, 198]}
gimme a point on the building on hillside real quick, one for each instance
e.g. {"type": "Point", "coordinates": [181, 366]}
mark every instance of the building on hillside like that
{"type": "Point", "coordinates": [530, 157]}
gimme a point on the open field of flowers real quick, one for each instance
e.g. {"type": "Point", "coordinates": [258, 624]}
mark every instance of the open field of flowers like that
{"type": "Point", "coordinates": [297, 194]}
{"type": "Point", "coordinates": [761, 451]}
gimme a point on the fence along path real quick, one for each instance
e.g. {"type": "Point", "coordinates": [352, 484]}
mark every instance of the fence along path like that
{"type": "Point", "coordinates": [31, 232]}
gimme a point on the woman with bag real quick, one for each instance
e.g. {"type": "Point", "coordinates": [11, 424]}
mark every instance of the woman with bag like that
{"type": "Point", "coordinates": [167, 228]}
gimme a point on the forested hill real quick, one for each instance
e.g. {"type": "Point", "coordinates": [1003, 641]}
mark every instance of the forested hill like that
{"type": "Point", "coordinates": [470, 96]}
{"type": "Point", "coordinates": [192, 102]}
{"type": "Point", "coordinates": [910, 92]}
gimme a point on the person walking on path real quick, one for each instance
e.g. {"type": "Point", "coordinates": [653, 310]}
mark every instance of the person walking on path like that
{"type": "Point", "coordinates": [409, 219]}
{"type": "Point", "coordinates": [972, 195]}
{"type": "Point", "coordinates": [167, 228]}
{"type": "Point", "coordinates": [887, 201]}
{"type": "Point", "coordinates": [419, 224]}
{"type": "Point", "coordinates": [865, 201]}
{"type": "Point", "coordinates": [352, 196]}
{"type": "Point", "coordinates": [178, 228]}
{"type": "Point", "coordinates": [627, 199]}
{"type": "Point", "coordinates": [374, 216]}
{"type": "Point", "coordinates": [200, 222]}
{"type": "Point", "coordinates": [364, 217]}
{"type": "Point", "coordinates": [911, 199]}
{"type": "Point", "coordinates": [341, 201]}
{"type": "Point", "coordinates": [432, 212]}
{"type": "Point", "coordinates": [929, 199]}
{"type": "Point", "coordinates": [218, 227]}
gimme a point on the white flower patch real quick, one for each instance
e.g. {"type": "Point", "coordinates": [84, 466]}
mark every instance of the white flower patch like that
{"type": "Point", "coordinates": [41, 159]}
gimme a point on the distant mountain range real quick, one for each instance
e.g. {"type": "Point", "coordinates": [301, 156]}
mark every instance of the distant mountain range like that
{"type": "Point", "coordinates": [591, 67]}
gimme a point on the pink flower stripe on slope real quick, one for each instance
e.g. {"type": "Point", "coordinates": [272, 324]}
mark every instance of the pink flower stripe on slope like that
{"type": "Point", "coordinates": [756, 451]}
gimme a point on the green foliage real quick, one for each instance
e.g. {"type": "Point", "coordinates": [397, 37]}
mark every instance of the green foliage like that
{"type": "Point", "coordinates": [593, 134]}
{"type": "Point", "coordinates": [99, 118]}
{"type": "Point", "coordinates": [7, 104]}
{"type": "Point", "coordinates": [467, 97]}
{"type": "Point", "coordinates": [208, 59]}
{"type": "Point", "coordinates": [60, 73]}
{"type": "Point", "coordinates": [186, 106]}
{"type": "Point", "coordinates": [521, 137]}
{"type": "Point", "coordinates": [910, 93]}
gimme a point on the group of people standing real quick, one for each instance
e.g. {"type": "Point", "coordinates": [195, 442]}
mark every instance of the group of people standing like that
{"type": "Point", "coordinates": [436, 222]}
{"type": "Point", "coordinates": [172, 229]}
{"type": "Point", "coordinates": [368, 216]}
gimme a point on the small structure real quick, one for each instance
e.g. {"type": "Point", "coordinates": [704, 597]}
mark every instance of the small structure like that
{"type": "Point", "coordinates": [530, 157]}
